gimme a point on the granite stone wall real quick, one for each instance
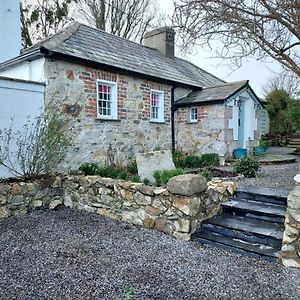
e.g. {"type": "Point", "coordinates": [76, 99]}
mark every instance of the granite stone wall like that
{"type": "Point", "coordinates": [290, 253]}
{"type": "Point", "coordinates": [151, 207]}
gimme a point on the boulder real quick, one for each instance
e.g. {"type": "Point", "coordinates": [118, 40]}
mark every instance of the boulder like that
{"type": "Point", "coordinates": [187, 185]}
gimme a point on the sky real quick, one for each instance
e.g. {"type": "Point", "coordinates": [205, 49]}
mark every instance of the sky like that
{"type": "Point", "coordinates": [257, 72]}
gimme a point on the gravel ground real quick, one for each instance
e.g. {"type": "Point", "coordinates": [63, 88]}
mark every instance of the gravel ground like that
{"type": "Point", "coordinates": [67, 254]}
{"type": "Point", "coordinates": [273, 176]}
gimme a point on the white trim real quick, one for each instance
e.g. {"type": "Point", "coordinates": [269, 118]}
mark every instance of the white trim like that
{"type": "Point", "coordinates": [114, 99]}
{"type": "Point", "coordinates": [161, 106]}
{"type": "Point", "coordinates": [190, 115]}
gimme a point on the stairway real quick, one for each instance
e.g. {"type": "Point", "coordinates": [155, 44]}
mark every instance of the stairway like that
{"type": "Point", "coordinates": [294, 143]}
{"type": "Point", "coordinates": [251, 223]}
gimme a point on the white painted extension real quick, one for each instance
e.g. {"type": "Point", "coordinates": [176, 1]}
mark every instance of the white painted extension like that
{"type": "Point", "coordinates": [19, 100]}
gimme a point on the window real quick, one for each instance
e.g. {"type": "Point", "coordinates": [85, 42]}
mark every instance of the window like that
{"type": "Point", "coordinates": [193, 114]}
{"type": "Point", "coordinates": [107, 102]}
{"type": "Point", "coordinates": [157, 106]}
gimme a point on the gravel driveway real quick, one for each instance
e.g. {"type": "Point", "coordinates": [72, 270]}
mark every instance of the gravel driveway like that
{"type": "Point", "coordinates": [67, 254]}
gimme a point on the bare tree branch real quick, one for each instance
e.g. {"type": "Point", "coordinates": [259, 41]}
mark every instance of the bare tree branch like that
{"type": "Point", "coordinates": [129, 19]}
{"type": "Point", "coordinates": [260, 28]}
{"type": "Point", "coordinates": [40, 18]}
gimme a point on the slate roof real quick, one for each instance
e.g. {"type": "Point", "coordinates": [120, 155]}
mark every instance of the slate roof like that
{"type": "Point", "coordinates": [217, 93]}
{"type": "Point", "coordinates": [85, 43]}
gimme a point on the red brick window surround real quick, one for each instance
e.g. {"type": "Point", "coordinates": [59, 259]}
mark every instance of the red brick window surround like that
{"type": "Point", "coordinates": [157, 106]}
{"type": "Point", "coordinates": [107, 102]}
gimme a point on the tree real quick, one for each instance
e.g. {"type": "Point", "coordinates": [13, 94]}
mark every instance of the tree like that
{"type": "Point", "coordinates": [40, 18]}
{"type": "Point", "coordinates": [278, 104]}
{"type": "Point", "coordinates": [260, 28]}
{"type": "Point", "coordinates": [286, 81]}
{"type": "Point", "coordinates": [129, 19]}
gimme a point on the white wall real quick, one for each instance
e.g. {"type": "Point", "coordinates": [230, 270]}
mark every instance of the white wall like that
{"type": "Point", "coordinates": [18, 100]}
{"type": "Point", "coordinates": [10, 29]}
{"type": "Point", "coordinates": [33, 70]}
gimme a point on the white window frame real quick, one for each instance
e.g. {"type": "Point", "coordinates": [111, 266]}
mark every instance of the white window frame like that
{"type": "Point", "coordinates": [192, 118]}
{"type": "Point", "coordinates": [114, 100]}
{"type": "Point", "coordinates": [161, 107]}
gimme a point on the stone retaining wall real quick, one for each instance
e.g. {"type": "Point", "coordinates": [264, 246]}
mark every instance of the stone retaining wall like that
{"type": "Point", "coordinates": [291, 239]}
{"type": "Point", "coordinates": [135, 203]}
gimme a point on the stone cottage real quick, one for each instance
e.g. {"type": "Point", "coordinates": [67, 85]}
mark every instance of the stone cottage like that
{"type": "Point", "coordinates": [135, 98]}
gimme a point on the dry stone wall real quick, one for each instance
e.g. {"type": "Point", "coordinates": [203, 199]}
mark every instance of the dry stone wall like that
{"type": "Point", "coordinates": [135, 203]}
{"type": "Point", "coordinates": [290, 253]}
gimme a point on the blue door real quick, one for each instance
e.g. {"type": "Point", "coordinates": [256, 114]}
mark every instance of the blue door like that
{"type": "Point", "coordinates": [241, 124]}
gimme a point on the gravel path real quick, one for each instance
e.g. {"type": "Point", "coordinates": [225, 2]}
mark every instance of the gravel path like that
{"type": "Point", "coordinates": [274, 176]}
{"type": "Point", "coordinates": [67, 254]}
{"type": "Point", "coordinates": [280, 176]}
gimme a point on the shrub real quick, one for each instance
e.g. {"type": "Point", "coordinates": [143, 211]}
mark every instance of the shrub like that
{"type": "Point", "coordinates": [135, 178]}
{"type": "Point", "coordinates": [162, 177]}
{"type": "Point", "coordinates": [264, 142]}
{"type": "Point", "coordinates": [146, 181]}
{"type": "Point", "coordinates": [246, 166]}
{"type": "Point", "coordinates": [37, 149]}
{"type": "Point", "coordinates": [104, 171]}
{"type": "Point", "coordinates": [122, 175]}
{"type": "Point", "coordinates": [132, 167]}
{"type": "Point", "coordinates": [210, 159]}
{"type": "Point", "coordinates": [207, 174]}
{"type": "Point", "coordinates": [193, 161]}
{"type": "Point", "coordinates": [89, 169]}
{"type": "Point", "coordinates": [179, 159]}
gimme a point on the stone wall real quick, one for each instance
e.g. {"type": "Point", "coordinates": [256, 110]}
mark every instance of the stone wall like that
{"type": "Point", "coordinates": [204, 136]}
{"type": "Point", "coordinates": [72, 88]}
{"type": "Point", "coordinates": [135, 203]}
{"type": "Point", "coordinates": [290, 253]}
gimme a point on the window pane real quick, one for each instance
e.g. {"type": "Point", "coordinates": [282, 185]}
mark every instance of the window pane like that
{"type": "Point", "coordinates": [105, 100]}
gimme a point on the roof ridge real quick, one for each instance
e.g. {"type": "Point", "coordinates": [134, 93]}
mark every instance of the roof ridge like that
{"type": "Point", "coordinates": [198, 68]}
{"type": "Point", "coordinates": [226, 84]}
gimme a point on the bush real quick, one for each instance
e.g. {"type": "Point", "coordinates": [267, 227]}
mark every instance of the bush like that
{"type": "Point", "coordinates": [132, 167]}
{"type": "Point", "coordinates": [104, 171]}
{"type": "Point", "coordinates": [179, 159]}
{"type": "Point", "coordinates": [37, 149]}
{"type": "Point", "coordinates": [89, 169]}
{"type": "Point", "coordinates": [136, 179]}
{"type": "Point", "coordinates": [146, 181]}
{"type": "Point", "coordinates": [162, 177]}
{"type": "Point", "coordinates": [247, 166]}
{"type": "Point", "coordinates": [207, 174]}
{"type": "Point", "coordinates": [210, 159]}
{"type": "Point", "coordinates": [264, 142]}
{"type": "Point", "coordinates": [193, 161]}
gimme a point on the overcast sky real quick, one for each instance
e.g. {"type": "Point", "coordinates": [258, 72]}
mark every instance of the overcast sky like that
{"type": "Point", "coordinates": [257, 72]}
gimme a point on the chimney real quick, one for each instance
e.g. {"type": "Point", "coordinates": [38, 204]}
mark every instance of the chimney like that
{"type": "Point", "coordinates": [10, 29]}
{"type": "Point", "coordinates": [161, 39]}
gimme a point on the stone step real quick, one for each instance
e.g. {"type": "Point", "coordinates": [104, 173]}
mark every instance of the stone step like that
{"type": "Point", "coordinates": [273, 196]}
{"type": "Point", "coordinates": [254, 209]}
{"type": "Point", "coordinates": [260, 228]}
{"type": "Point", "coordinates": [242, 235]}
{"type": "Point", "coordinates": [238, 246]}
{"type": "Point", "coordinates": [293, 145]}
{"type": "Point", "coordinates": [295, 140]}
